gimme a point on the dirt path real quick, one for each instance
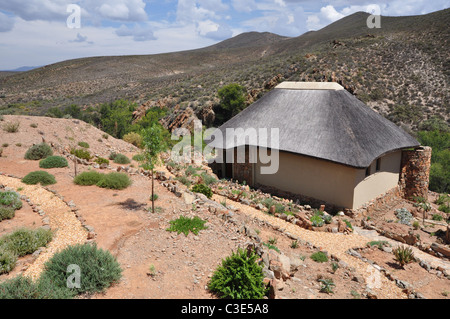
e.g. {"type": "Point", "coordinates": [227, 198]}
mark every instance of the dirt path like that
{"type": "Point", "coordinates": [68, 229]}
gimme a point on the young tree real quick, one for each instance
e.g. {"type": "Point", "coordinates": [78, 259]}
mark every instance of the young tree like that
{"type": "Point", "coordinates": [154, 143]}
{"type": "Point", "coordinates": [232, 98]}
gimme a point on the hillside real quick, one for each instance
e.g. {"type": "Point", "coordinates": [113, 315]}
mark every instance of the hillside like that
{"type": "Point", "coordinates": [158, 263]}
{"type": "Point", "coordinates": [400, 70]}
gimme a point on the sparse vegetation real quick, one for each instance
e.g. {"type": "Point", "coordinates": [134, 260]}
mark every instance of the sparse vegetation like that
{"type": "Point", "coordinates": [11, 127]}
{"type": "Point", "coordinates": [83, 144]}
{"type": "Point", "coordinates": [319, 257]}
{"type": "Point", "coordinates": [185, 225]}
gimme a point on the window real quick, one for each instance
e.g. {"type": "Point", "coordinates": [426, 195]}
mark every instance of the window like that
{"type": "Point", "coordinates": [367, 171]}
{"type": "Point", "coordinates": [378, 165]}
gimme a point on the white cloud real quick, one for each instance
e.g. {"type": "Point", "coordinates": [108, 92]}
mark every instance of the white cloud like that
{"type": "Point", "coordinates": [244, 5]}
{"type": "Point", "coordinates": [138, 33]}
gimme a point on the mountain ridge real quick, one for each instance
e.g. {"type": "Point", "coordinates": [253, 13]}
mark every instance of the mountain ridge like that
{"type": "Point", "coordinates": [412, 50]}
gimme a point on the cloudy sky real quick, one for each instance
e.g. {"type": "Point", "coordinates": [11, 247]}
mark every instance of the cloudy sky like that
{"type": "Point", "coordinates": [40, 32]}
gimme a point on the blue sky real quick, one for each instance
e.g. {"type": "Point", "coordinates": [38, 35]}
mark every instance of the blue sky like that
{"type": "Point", "coordinates": [35, 32]}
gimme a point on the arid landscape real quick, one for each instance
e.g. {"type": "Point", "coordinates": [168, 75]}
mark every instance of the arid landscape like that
{"type": "Point", "coordinates": [158, 264]}
{"type": "Point", "coordinates": [78, 137]}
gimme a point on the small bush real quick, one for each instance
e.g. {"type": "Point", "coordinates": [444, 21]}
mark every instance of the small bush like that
{"type": "Point", "coordinates": [25, 241]}
{"type": "Point", "coordinates": [99, 269]}
{"type": "Point", "coordinates": [184, 180]}
{"type": "Point", "coordinates": [101, 160]}
{"type": "Point", "coordinates": [202, 188]}
{"type": "Point", "coordinates": [239, 277]}
{"type": "Point", "coordinates": [39, 177]}
{"type": "Point", "coordinates": [437, 217]}
{"type": "Point", "coordinates": [11, 127]}
{"type": "Point", "coordinates": [185, 225]}
{"type": "Point", "coordinates": [81, 153]}
{"type": "Point", "coordinates": [24, 288]}
{"type": "Point", "coordinates": [88, 178]}
{"type": "Point", "coordinates": [327, 285]}
{"type": "Point", "coordinates": [10, 199]}
{"type": "Point", "coordinates": [38, 152]}
{"type": "Point", "coordinates": [6, 213]}
{"type": "Point", "coordinates": [403, 255]}
{"type": "Point", "coordinates": [83, 144]}
{"type": "Point", "coordinates": [121, 159]}
{"type": "Point", "coordinates": [133, 138]}
{"type": "Point", "coordinates": [139, 157]}
{"type": "Point", "coordinates": [208, 179]}
{"type": "Point", "coordinates": [317, 220]}
{"type": "Point", "coordinates": [404, 216]}
{"type": "Point", "coordinates": [319, 257]}
{"type": "Point", "coordinates": [114, 181]}
{"type": "Point", "coordinates": [53, 162]}
{"type": "Point", "coordinates": [7, 262]}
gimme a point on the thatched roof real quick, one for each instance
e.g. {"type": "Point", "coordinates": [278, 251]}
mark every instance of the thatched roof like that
{"type": "Point", "coordinates": [321, 120]}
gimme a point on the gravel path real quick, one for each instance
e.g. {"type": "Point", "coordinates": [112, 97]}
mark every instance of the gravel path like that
{"type": "Point", "coordinates": [68, 229]}
{"type": "Point", "coordinates": [334, 244]}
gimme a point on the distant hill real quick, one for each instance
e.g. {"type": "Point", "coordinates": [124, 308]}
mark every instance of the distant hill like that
{"type": "Point", "coordinates": [401, 70]}
{"type": "Point", "coordinates": [22, 69]}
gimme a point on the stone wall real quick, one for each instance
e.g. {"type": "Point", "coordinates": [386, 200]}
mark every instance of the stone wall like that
{"type": "Point", "coordinates": [415, 172]}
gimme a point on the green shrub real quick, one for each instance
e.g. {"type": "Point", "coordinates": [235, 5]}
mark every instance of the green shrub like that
{"type": "Point", "coordinates": [184, 180]}
{"type": "Point", "coordinates": [114, 181]}
{"type": "Point", "coordinates": [185, 225]}
{"type": "Point", "coordinates": [7, 262]}
{"type": "Point", "coordinates": [349, 225]}
{"type": "Point", "coordinates": [319, 257]}
{"type": "Point", "coordinates": [317, 220]}
{"type": "Point", "coordinates": [208, 179]}
{"type": "Point", "coordinates": [81, 153]}
{"type": "Point", "coordinates": [327, 285]}
{"type": "Point", "coordinates": [101, 160]}
{"type": "Point", "coordinates": [11, 127]}
{"type": "Point", "coordinates": [437, 217]}
{"type": "Point", "coordinates": [53, 162]}
{"type": "Point", "coordinates": [37, 177]}
{"type": "Point", "coordinates": [445, 208]}
{"type": "Point", "coordinates": [99, 269]}
{"type": "Point", "coordinates": [202, 188]}
{"type": "Point", "coordinates": [133, 138]}
{"type": "Point", "coordinates": [24, 288]}
{"type": "Point", "coordinates": [121, 159]}
{"type": "Point", "coordinates": [154, 197]}
{"type": "Point", "coordinates": [404, 216]}
{"type": "Point", "coordinates": [38, 151]}
{"type": "Point", "coordinates": [88, 178]}
{"type": "Point", "coordinates": [10, 199]}
{"type": "Point", "coordinates": [239, 277]}
{"type": "Point", "coordinates": [403, 255]}
{"type": "Point", "coordinates": [83, 144]}
{"type": "Point", "coordinates": [139, 158]}
{"type": "Point", "coordinates": [7, 212]}
{"type": "Point", "coordinates": [25, 241]}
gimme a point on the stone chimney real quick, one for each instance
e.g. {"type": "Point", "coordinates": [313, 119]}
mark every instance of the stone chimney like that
{"type": "Point", "coordinates": [415, 172]}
